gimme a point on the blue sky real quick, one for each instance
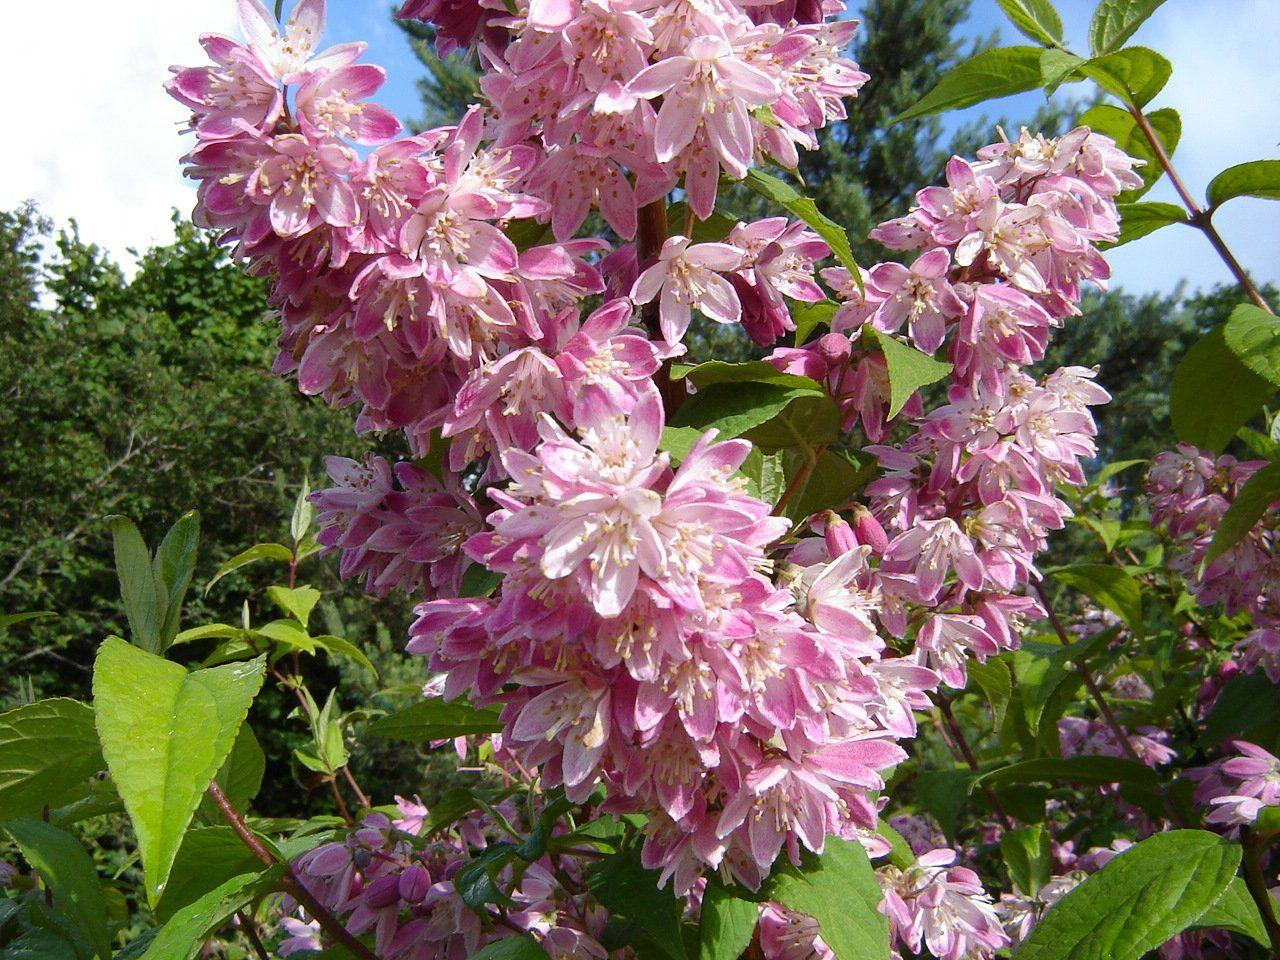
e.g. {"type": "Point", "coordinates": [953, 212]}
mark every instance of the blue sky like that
{"type": "Point", "coordinates": [105, 150]}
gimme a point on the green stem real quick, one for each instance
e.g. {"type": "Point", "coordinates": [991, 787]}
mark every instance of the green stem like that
{"type": "Point", "coordinates": [1257, 885]}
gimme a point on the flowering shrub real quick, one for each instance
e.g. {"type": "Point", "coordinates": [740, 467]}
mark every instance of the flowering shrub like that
{"type": "Point", "coordinates": [695, 621]}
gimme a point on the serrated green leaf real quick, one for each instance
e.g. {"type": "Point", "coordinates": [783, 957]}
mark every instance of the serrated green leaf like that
{"type": "Point", "coordinates": [1257, 178]}
{"type": "Point", "coordinates": [240, 775]}
{"type": "Point", "coordinates": [1137, 220]}
{"type": "Point", "coordinates": [144, 596]}
{"type": "Point", "coordinates": [833, 481]}
{"type": "Point", "coordinates": [297, 602]}
{"type": "Point", "coordinates": [988, 75]}
{"type": "Point", "coordinates": [1108, 586]}
{"type": "Point", "coordinates": [1058, 67]}
{"type": "Point", "coordinates": [174, 565]}
{"type": "Point", "coordinates": [627, 890]}
{"type": "Point", "coordinates": [436, 719]}
{"type": "Point", "coordinates": [1081, 769]}
{"type": "Point", "coordinates": [1256, 497]}
{"type": "Point", "coordinates": [1029, 858]}
{"type": "Point", "coordinates": [291, 633]}
{"type": "Point", "coordinates": [1115, 21]}
{"type": "Point", "coordinates": [186, 931]}
{"type": "Point", "coordinates": [785, 195]}
{"type": "Point", "coordinates": [838, 889]}
{"type": "Point", "coordinates": [1253, 335]}
{"type": "Point", "coordinates": [727, 923]}
{"type": "Point", "coordinates": [1121, 126]}
{"type": "Point", "coordinates": [69, 873]}
{"type": "Point", "coordinates": [259, 551]}
{"type": "Point", "coordinates": [766, 477]}
{"type": "Point", "coordinates": [1035, 19]}
{"type": "Point", "coordinates": [165, 733]}
{"type": "Point", "coordinates": [804, 424]}
{"type": "Point", "coordinates": [1236, 911]}
{"type": "Point", "coordinates": [1134, 74]}
{"type": "Point", "coordinates": [47, 748]}
{"type": "Point", "coordinates": [208, 858]}
{"type": "Point", "coordinates": [1204, 414]}
{"type": "Point", "coordinates": [996, 684]}
{"type": "Point", "coordinates": [909, 369]}
{"type": "Point", "coordinates": [731, 410]}
{"type": "Point", "coordinates": [1148, 894]}
{"type": "Point", "coordinates": [809, 316]}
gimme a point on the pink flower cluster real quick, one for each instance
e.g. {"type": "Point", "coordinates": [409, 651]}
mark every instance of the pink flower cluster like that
{"type": "Point", "coordinates": [651, 651]}
{"type": "Point", "coordinates": [968, 498]}
{"type": "Point", "coordinates": [391, 880]}
{"type": "Point", "coordinates": [939, 906]}
{"type": "Point", "coordinates": [1240, 787]}
{"type": "Point", "coordinates": [1189, 492]}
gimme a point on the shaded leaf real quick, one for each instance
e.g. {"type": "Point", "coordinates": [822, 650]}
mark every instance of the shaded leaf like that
{"type": "Point", "coordinates": [436, 719]}
{"type": "Point", "coordinates": [785, 195]}
{"type": "Point", "coordinates": [1109, 587]}
{"type": "Point", "coordinates": [1204, 414]}
{"type": "Point", "coordinates": [627, 890]}
{"type": "Point", "coordinates": [1256, 497]}
{"type": "Point", "coordinates": [909, 369]}
{"type": "Point", "coordinates": [838, 889]}
{"type": "Point", "coordinates": [68, 871]}
{"type": "Point", "coordinates": [47, 748]}
{"type": "Point", "coordinates": [260, 551]}
{"type": "Point", "coordinates": [726, 925]}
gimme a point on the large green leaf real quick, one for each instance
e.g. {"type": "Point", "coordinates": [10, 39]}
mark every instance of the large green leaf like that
{"type": "Point", "coordinates": [436, 719]}
{"type": "Point", "coordinates": [804, 424]}
{"type": "Point", "coordinates": [1257, 178]}
{"type": "Point", "coordinates": [627, 890]}
{"type": "Point", "coordinates": [1205, 414]}
{"type": "Point", "coordinates": [834, 479]}
{"type": "Point", "coordinates": [1083, 769]}
{"type": "Point", "coordinates": [68, 872]}
{"type": "Point", "coordinates": [909, 369]}
{"type": "Point", "coordinates": [990, 74]}
{"type": "Point", "coordinates": [1256, 497]}
{"type": "Point", "coordinates": [787, 196]}
{"type": "Point", "coordinates": [1108, 586]}
{"type": "Point", "coordinates": [1028, 856]}
{"type": "Point", "coordinates": [165, 733]}
{"type": "Point", "coordinates": [1036, 19]}
{"type": "Point", "coordinates": [1139, 219]}
{"type": "Point", "coordinates": [47, 748]}
{"type": "Point", "coordinates": [1253, 335]}
{"type": "Point", "coordinates": [520, 947]}
{"type": "Point", "coordinates": [1121, 126]}
{"type": "Point", "coordinates": [1138, 901]}
{"type": "Point", "coordinates": [208, 858]}
{"type": "Point", "coordinates": [186, 931]}
{"type": "Point", "coordinates": [260, 551]}
{"type": "Point", "coordinates": [240, 775]}
{"type": "Point", "coordinates": [840, 891]}
{"type": "Point", "coordinates": [1134, 74]}
{"type": "Point", "coordinates": [726, 925]}
{"type": "Point", "coordinates": [1247, 702]}
{"type": "Point", "coordinates": [1115, 21]}
{"type": "Point", "coordinates": [732, 410]}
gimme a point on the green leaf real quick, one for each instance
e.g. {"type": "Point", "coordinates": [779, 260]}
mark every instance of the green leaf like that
{"type": "Point", "coordinates": [1138, 901]}
{"type": "Point", "coordinates": [1058, 67]}
{"type": "Point", "coordinates": [1236, 911]}
{"type": "Point", "coordinates": [297, 602]}
{"type": "Point", "coordinates": [753, 371]}
{"type": "Point", "coordinates": [1256, 497]}
{"type": "Point", "coordinates": [806, 423]}
{"type": "Point", "coordinates": [996, 683]}
{"type": "Point", "coordinates": [1204, 414]}
{"type": "Point", "coordinates": [436, 719]}
{"type": "Point", "coordinates": [1036, 19]}
{"type": "Point", "coordinates": [1137, 220]}
{"type": "Point", "coordinates": [260, 551]}
{"type": "Point", "coordinates": [712, 230]}
{"type": "Point", "coordinates": [733, 411]}
{"type": "Point", "coordinates": [991, 74]}
{"type": "Point", "coordinates": [1119, 124]}
{"type": "Point", "coordinates": [1108, 586]}
{"type": "Point", "coordinates": [943, 793]}
{"type": "Point", "coordinates": [303, 513]}
{"type": "Point", "coordinates": [909, 369]}
{"type": "Point", "coordinates": [787, 196]}
{"type": "Point", "coordinates": [165, 733]}
{"type": "Point", "coordinates": [144, 596]}
{"type": "Point", "coordinates": [1115, 21]}
{"type": "Point", "coordinates": [1083, 769]}
{"type": "Point", "coordinates": [809, 316]}
{"type": "Point", "coordinates": [1115, 468]}
{"type": "Point", "coordinates": [1029, 857]}
{"type": "Point", "coordinates": [527, 232]}
{"type": "Point", "coordinates": [766, 477]}
{"type": "Point", "coordinates": [479, 581]}
{"type": "Point", "coordinates": [66, 869]}
{"type": "Point", "coordinates": [1257, 178]}
{"type": "Point", "coordinates": [1134, 74]}
{"type": "Point", "coordinates": [344, 648]}
{"type": "Point", "coordinates": [291, 633]}
{"type": "Point", "coordinates": [1253, 335]}
{"type": "Point", "coordinates": [8, 620]}
{"type": "Point", "coordinates": [47, 749]}
{"type": "Point", "coordinates": [840, 891]}
{"type": "Point", "coordinates": [833, 481]}
{"type": "Point", "coordinates": [511, 948]}
{"type": "Point", "coordinates": [1247, 702]}
{"type": "Point", "coordinates": [208, 858]}
{"type": "Point", "coordinates": [627, 890]}
{"type": "Point", "coordinates": [240, 775]}
{"type": "Point", "coordinates": [727, 923]}
{"type": "Point", "coordinates": [174, 565]}
{"type": "Point", "coordinates": [186, 931]}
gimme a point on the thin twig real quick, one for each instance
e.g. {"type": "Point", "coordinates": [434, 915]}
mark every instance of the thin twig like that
{"type": "Point", "coordinates": [289, 883]}
{"type": "Point", "coordinates": [962, 744]}
{"type": "Point", "coordinates": [1257, 885]}
{"type": "Point", "coordinates": [251, 931]}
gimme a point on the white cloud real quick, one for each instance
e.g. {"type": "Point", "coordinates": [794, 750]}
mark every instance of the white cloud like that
{"type": "Point", "coordinates": [97, 136]}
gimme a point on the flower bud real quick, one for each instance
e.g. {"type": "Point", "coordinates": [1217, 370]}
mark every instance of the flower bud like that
{"type": "Point", "coordinates": [414, 884]}
{"type": "Point", "coordinates": [835, 348]}
{"type": "Point", "coordinates": [838, 535]}
{"type": "Point", "coordinates": [383, 892]}
{"type": "Point", "coordinates": [867, 530]}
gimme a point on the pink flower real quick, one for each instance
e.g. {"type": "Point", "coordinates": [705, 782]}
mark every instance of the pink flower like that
{"type": "Point", "coordinates": [1240, 787]}
{"type": "Point", "coordinates": [291, 56]}
{"type": "Point", "coordinates": [329, 104]}
{"type": "Point", "coordinates": [304, 182]}
{"type": "Point", "coordinates": [919, 295]}
{"type": "Point", "coordinates": [941, 907]}
{"type": "Point", "coordinates": [686, 277]}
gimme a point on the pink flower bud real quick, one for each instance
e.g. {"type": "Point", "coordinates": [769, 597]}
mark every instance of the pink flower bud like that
{"type": "Point", "coordinates": [414, 884]}
{"type": "Point", "coordinates": [383, 892]}
{"type": "Point", "coordinates": [867, 530]}
{"type": "Point", "coordinates": [838, 535]}
{"type": "Point", "coordinates": [835, 348]}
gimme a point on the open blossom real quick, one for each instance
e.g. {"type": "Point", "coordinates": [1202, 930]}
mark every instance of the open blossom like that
{"type": "Point", "coordinates": [939, 906]}
{"type": "Point", "coordinates": [1239, 788]}
{"type": "Point", "coordinates": [687, 277]}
